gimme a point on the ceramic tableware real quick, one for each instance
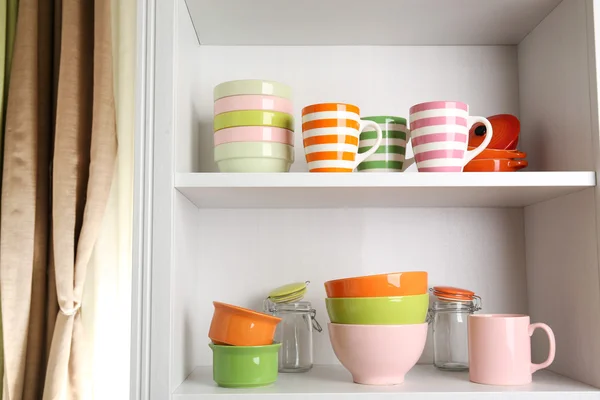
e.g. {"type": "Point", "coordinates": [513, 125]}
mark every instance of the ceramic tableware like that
{"type": "Point", "coordinates": [389, 157]}
{"type": "Point", "coordinates": [500, 349]}
{"type": "Point", "coordinates": [392, 284]}
{"type": "Point", "coordinates": [396, 310]}
{"type": "Point", "coordinates": [254, 134]}
{"type": "Point", "coordinates": [253, 102]}
{"type": "Point", "coordinates": [439, 133]}
{"type": "Point", "coordinates": [254, 157]}
{"type": "Point", "coordinates": [494, 154]}
{"type": "Point", "coordinates": [501, 165]}
{"type": "Point", "coordinates": [378, 354]}
{"type": "Point", "coordinates": [331, 135]}
{"type": "Point", "coordinates": [239, 326]}
{"type": "Point", "coordinates": [245, 366]}
{"type": "Point", "coordinates": [250, 87]}
{"type": "Point", "coordinates": [254, 118]}
{"type": "Point", "coordinates": [506, 132]}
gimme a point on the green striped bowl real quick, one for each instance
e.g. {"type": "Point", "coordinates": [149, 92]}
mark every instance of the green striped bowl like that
{"type": "Point", "coordinates": [389, 157]}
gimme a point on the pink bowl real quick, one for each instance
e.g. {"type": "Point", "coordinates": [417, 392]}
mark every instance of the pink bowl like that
{"type": "Point", "coordinates": [254, 134]}
{"type": "Point", "coordinates": [253, 102]}
{"type": "Point", "coordinates": [378, 354]}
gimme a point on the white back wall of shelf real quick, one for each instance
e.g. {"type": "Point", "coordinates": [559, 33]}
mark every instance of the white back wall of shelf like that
{"type": "Point", "coordinates": [380, 80]}
{"type": "Point", "coordinates": [242, 254]}
{"type": "Point", "coordinates": [554, 89]}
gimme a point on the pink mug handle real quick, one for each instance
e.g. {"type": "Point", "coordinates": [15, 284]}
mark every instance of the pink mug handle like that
{"type": "Point", "coordinates": [552, 351]}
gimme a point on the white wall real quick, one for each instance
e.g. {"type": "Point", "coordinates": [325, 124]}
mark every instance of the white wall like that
{"type": "Point", "coordinates": [380, 80]}
{"type": "Point", "coordinates": [243, 254]}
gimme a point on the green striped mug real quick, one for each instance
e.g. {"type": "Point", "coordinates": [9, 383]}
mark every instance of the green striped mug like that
{"type": "Point", "coordinates": [389, 157]}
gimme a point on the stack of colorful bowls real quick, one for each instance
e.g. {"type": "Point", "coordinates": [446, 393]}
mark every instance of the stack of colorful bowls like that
{"type": "Point", "coordinates": [501, 155]}
{"type": "Point", "coordinates": [378, 324]}
{"type": "Point", "coordinates": [244, 354]}
{"type": "Point", "coordinates": [253, 126]}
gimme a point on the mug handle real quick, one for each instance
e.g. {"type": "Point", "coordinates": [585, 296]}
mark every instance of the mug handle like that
{"type": "Point", "coordinates": [552, 351]}
{"type": "Point", "coordinates": [364, 124]}
{"type": "Point", "coordinates": [471, 154]}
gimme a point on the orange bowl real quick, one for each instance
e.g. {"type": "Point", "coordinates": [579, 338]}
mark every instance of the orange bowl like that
{"type": "Point", "coordinates": [502, 165]}
{"type": "Point", "coordinates": [239, 326]}
{"type": "Point", "coordinates": [382, 285]}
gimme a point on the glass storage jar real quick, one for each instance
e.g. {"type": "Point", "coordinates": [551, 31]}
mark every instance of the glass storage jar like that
{"type": "Point", "coordinates": [295, 333]}
{"type": "Point", "coordinates": [449, 314]}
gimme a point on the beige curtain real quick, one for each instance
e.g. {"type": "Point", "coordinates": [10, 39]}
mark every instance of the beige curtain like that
{"type": "Point", "coordinates": [60, 150]}
{"type": "Point", "coordinates": [108, 284]}
{"type": "Point", "coordinates": [25, 199]}
{"type": "Point", "coordinates": [8, 23]}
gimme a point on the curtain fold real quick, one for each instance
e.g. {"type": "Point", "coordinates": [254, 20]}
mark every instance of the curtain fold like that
{"type": "Point", "coordinates": [84, 158]}
{"type": "Point", "coordinates": [108, 284]}
{"type": "Point", "coordinates": [24, 219]}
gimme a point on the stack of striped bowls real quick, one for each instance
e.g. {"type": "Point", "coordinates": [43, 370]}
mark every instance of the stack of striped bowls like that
{"type": "Point", "coordinates": [253, 126]}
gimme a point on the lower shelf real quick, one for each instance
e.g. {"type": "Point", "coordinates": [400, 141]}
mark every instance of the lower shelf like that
{"type": "Point", "coordinates": [423, 381]}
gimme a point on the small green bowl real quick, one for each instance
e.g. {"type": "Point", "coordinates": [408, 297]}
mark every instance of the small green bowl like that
{"type": "Point", "coordinates": [252, 86]}
{"type": "Point", "coordinates": [254, 157]}
{"type": "Point", "coordinates": [233, 119]}
{"type": "Point", "coordinates": [245, 366]}
{"type": "Point", "coordinates": [396, 310]}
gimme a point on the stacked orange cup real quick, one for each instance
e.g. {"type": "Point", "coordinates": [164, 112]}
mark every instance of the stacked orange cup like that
{"type": "Point", "coordinates": [253, 126]}
{"type": "Point", "coordinates": [378, 324]}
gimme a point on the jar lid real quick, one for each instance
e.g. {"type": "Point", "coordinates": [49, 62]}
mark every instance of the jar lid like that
{"type": "Point", "coordinates": [289, 293]}
{"type": "Point", "coordinates": [452, 293]}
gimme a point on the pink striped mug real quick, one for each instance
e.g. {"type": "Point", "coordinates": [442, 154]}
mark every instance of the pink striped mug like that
{"type": "Point", "coordinates": [440, 134]}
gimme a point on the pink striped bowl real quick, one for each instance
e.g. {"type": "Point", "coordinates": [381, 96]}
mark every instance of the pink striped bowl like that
{"type": "Point", "coordinates": [253, 102]}
{"type": "Point", "coordinates": [254, 134]}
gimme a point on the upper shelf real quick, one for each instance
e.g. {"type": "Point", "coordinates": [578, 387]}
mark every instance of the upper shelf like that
{"type": "Point", "coordinates": [377, 22]}
{"type": "Point", "coordinates": [325, 190]}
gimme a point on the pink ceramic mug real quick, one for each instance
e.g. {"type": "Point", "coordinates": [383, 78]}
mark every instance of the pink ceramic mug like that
{"type": "Point", "coordinates": [439, 136]}
{"type": "Point", "coordinates": [500, 349]}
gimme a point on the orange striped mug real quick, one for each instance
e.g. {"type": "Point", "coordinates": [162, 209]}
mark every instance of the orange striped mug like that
{"type": "Point", "coordinates": [331, 132]}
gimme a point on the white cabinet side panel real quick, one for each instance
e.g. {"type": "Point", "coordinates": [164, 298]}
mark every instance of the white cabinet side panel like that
{"type": "Point", "coordinates": [187, 70]}
{"type": "Point", "coordinates": [246, 253]}
{"type": "Point", "coordinates": [554, 90]}
{"type": "Point", "coordinates": [186, 274]}
{"type": "Point", "coordinates": [381, 80]}
{"type": "Point", "coordinates": [562, 282]}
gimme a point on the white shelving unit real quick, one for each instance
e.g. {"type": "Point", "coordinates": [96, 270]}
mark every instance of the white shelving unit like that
{"type": "Point", "coordinates": [306, 190]}
{"type": "Point", "coordinates": [423, 382]}
{"type": "Point", "coordinates": [526, 242]}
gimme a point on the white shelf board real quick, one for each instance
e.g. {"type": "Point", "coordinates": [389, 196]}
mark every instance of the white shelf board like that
{"type": "Point", "coordinates": [422, 382]}
{"type": "Point", "coordinates": [378, 22]}
{"type": "Point", "coordinates": [326, 190]}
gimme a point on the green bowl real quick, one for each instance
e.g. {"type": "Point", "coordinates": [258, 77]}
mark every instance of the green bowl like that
{"type": "Point", "coordinates": [253, 118]}
{"type": "Point", "coordinates": [252, 86]}
{"type": "Point", "coordinates": [397, 310]}
{"type": "Point", "coordinates": [245, 366]}
{"type": "Point", "coordinates": [254, 157]}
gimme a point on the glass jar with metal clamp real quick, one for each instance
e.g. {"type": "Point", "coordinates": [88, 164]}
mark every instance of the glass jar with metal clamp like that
{"type": "Point", "coordinates": [294, 332]}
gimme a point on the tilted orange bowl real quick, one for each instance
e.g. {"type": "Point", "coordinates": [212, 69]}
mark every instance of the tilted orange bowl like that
{"type": "Point", "coordinates": [382, 285]}
{"type": "Point", "coordinates": [501, 165]}
{"type": "Point", "coordinates": [239, 326]}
